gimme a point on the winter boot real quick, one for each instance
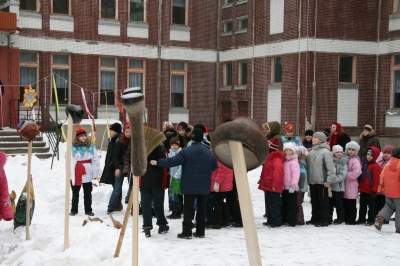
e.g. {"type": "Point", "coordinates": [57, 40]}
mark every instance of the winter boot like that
{"type": "Point", "coordinates": [398, 230]}
{"type": "Point", "coordinates": [184, 236]}
{"type": "Point", "coordinates": [379, 222]}
{"type": "Point", "coordinates": [146, 231]}
{"type": "Point", "coordinates": [177, 209]}
{"type": "Point", "coordinates": [119, 206]}
{"type": "Point", "coordinates": [163, 229]}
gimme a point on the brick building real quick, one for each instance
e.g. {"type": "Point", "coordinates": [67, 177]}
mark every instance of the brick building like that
{"type": "Point", "coordinates": [309, 63]}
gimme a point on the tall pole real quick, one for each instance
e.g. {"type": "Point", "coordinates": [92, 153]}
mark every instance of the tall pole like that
{"type": "Point", "coordinates": [67, 183]}
{"type": "Point", "coordinates": [28, 189]}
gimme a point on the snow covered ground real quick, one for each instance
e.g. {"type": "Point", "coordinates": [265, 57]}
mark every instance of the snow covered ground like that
{"type": "Point", "coordinates": [95, 243]}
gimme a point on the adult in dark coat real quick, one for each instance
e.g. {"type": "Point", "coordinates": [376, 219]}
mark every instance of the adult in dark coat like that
{"type": "Point", "coordinates": [108, 175]}
{"type": "Point", "coordinates": [198, 163]}
{"type": "Point", "coordinates": [152, 185]}
{"type": "Point", "coordinates": [338, 136]}
{"type": "Point", "coordinates": [368, 138]}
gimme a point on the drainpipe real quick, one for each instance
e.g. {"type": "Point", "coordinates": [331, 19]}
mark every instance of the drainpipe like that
{"type": "Point", "coordinates": [217, 122]}
{"type": "Point", "coordinates": [314, 86]}
{"type": "Point", "coordinates": [298, 77]}
{"type": "Point", "coordinates": [377, 66]}
{"type": "Point", "coordinates": [159, 64]}
{"type": "Point", "coordinates": [252, 65]}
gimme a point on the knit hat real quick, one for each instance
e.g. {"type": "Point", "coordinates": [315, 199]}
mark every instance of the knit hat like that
{"type": "Point", "coordinates": [370, 152]}
{"type": "Point", "coordinates": [337, 148]}
{"type": "Point", "coordinates": [301, 150]}
{"type": "Point", "coordinates": [80, 132]}
{"type": "Point", "coordinates": [289, 145]}
{"type": "Point", "coordinates": [127, 125]}
{"type": "Point", "coordinates": [327, 131]}
{"type": "Point", "coordinates": [201, 126]}
{"type": "Point", "coordinates": [273, 145]}
{"type": "Point", "coordinates": [206, 131]}
{"type": "Point", "coordinates": [274, 127]}
{"type": "Point", "coordinates": [388, 149]}
{"type": "Point", "coordinates": [197, 135]}
{"type": "Point", "coordinates": [353, 145]}
{"type": "Point", "coordinates": [309, 132]}
{"type": "Point", "coordinates": [116, 127]}
{"type": "Point", "coordinates": [368, 127]}
{"type": "Point", "coordinates": [289, 127]}
{"type": "Point", "coordinates": [321, 136]}
{"type": "Point", "coordinates": [184, 126]}
{"type": "Point", "coordinates": [174, 140]}
{"type": "Point", "coordinates": [396, 152]}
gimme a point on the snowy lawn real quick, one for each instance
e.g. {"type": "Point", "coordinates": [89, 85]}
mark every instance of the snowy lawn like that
{"type": "Point", "coordinates": [95, 243]}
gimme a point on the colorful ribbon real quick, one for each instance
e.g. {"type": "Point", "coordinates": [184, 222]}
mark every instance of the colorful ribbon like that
{"type": "Point", "coordinates": [58, 107]}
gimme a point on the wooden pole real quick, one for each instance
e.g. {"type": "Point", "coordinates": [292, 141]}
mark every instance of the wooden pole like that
{"type": "Point", "coordinates": [28, 190]}
{"type": "Point", "coordinates": [135, 226]}
{"type": "Point", "coordinates": [67, 183]}
{"type": "Point", "coordinates": [124, 224]}
{"type": "Point", "coordinates": [246, 207]}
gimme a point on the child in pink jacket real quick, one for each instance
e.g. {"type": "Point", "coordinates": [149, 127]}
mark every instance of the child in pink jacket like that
{"type": "Point", "coordinates": [6, 212]}
{"type": "Point", "coordinates": [291, 175]}
{"type": "Point", "coordinates": [351, 183]}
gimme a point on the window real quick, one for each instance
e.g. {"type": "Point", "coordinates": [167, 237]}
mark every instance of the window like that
{"type": "Point", "coordinates": [108, 9]}
{"type": "Point", "coordinates": [179, 12]}
{"type": "Point", "coordinates": [243, 108]}
{"type": "Point", "coordinates": [225, 111]}
{"type": "Point", "coordinates": [243, 24]}
{"type": "Point", "coordinates": [29, 5]}
{"type": "Point", "coordinates": [60, 67]}
{"type": "Point", "coordinates": [108, 74]}
{"type": "Point", "coordinates": [276, 70]}
{"type": "Point", "coordinates": [178, 84]}
{"type": "Point", "coordinates": [227, 74]}
{"type": "Point", "coordinates": [396, 81]}
{"type": "Point", "coordinates": [137, 10]}
{"type": "Point", "coordinates": [242, 72]}
{"type": "Point", "coordinates": [61, 7]}
{"type": "Point", "coordinates": [136, 71]}
{"type": "Point", "coordinates": [396, 6]}
{"type": "Point", "coordinates": [28, 72]}
{"type": "Point", "coordinates": [228, 25]}
{"type": "Point", "coordinates": [228, 2]}
{"type": "Point", "coordinates": [346, 69]}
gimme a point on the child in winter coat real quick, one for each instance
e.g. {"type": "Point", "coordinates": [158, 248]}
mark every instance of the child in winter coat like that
{"type": "Point", "coordinates": [302, 153]}
{"type": "Point", "coordinates": [85, 166]}
{"type": "Point", "coordinates": [221, 184]}
{"type": "Point", "coordinates": [6, 212]}
{"type": "Point", "coordinates": [337, 184]}
{"type": "Point", "coordinates": [320, 168]}
{"type": "Point", "coordinates": [369, 181]}
{"type": "Point", "coordinates": [175, 173]}
{"type": "Point", "coordinates": [291, 176]}
{"type": "Point", "coordinates": [383, 159]}
{"type": "Point", "coordinates": [271, 182]}
{"type": "Point", "coordinates": [390, 184]}
{"type": "Point", "coordinates": [351, 183]}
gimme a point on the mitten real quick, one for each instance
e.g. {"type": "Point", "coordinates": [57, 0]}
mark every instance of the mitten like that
{"type": "Point", "coordinates": [216, 187]}
{"type": "Point", "coordinates": [373, 195]}
{"type": "Point", "coordinates": [291, 190]}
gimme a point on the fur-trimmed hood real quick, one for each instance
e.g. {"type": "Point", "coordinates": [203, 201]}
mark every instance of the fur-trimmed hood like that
{"type": "Point", "coordinates": [3, 160]}
{"type": "Point", "coordinates": [371, 134]}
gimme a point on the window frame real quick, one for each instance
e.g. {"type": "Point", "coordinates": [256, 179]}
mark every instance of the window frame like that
{"type": "Point", "coordinates": [116, 11]}
{"type": "Point", "coordinates": [225, 32]}
{"type": "Point", "coordinates": [61, 66]}
{"type": "Point", "coordinates": [32, 65]}
{"type": "Point", "coordinates": [37, 4]}
{"type": "Point", "coordinates": [392, 69]}
{"type": "Point", "coordinates": [108, 68]}
{"type": "Point", "coordinates": [224, 116]}
{"type": "Point", "coordinates": [240, 107]}
{"type": "Point", "coordinates": [396, 6]}
{"type": "Point", "coordinates": [240, 27]}
{"type": "Point", "coordinates": [225, 73]}
{"type": "Point", "coordinates": [138, 70]}
{"type": "Point", "coordinates": [273, 69]}
{"type": "Point", "coordinates": [186, 13]}
{"type": "Point", "coordinates": [354, 67]}
{"type": "Point", "coordinates": [144, 12]}
{"type": "Point", "coordinates": [240, 81]}
{"type": "Point", "coordinates": [61, 14]}
{"type": "Point", "coordinates": [181, 73]}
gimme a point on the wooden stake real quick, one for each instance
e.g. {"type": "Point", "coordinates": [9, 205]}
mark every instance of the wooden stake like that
{"type": "Point", "coordinates": [67, 183]}
{"type": "Point", "coordinates": [28, 190]}
{"type": "Point", "coordinates": [135, 226]}
{"type": "Point", "coordinates": [246, 207]}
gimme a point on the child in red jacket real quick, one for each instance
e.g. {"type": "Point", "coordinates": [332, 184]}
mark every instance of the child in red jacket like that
{"type": "Point", "coordinates": [369, 181]}
{"type": "Point", "coordinates": [6, 212]}
{"type": "Point", "coordinates": [271, 182]}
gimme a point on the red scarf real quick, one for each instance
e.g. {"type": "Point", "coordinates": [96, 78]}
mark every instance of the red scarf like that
{"type": "Point", "coordinates": [80, 171]}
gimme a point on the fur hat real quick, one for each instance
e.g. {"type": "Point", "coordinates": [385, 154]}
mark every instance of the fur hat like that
{"type": "Point", "coordinates": [197, 135]}
{"type": "Point", "coordinates": [309, 132]}
{"type": "Point", "coordinates": [321, 136]}
{"type": "Point", "coordinates": [352, 145]}
{"type": "Point", "coordinates": [396, 152]}
{"type": "Point", "coordinates": [289, 145]}
{"type": "Point", "coordinates": [167, 126]}
{"type": "Point", "coordinates": [80, 132]}
{"type": "Point", "coordinates": [174, 140]}
{"type": "Point", "coordinates": [327, 131]}
{"type": "Point", "coordinates": [273, 145]}
{"type": "Point", "coordinates": [368, 127]}
{"type": "Point", "coordinates": [183, 125]}
{"type": "Point", "coordinates": [301, 150]}
{"type": "Point", "coordinates": [116, 127]}
{"type": "Point", "coordinates": [289, 127]}
{"type": "Point", "coordinates": [388, 149]}
{"type": "Point", "coordinates": [337, 148]}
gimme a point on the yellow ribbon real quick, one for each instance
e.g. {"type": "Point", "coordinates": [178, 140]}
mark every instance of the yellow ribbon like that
{"type": "Point", "coordinates": [108, 128]}
{"type": "Point", "coordinates": [57, 106]}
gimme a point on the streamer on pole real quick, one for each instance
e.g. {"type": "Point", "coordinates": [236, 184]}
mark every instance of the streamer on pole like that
{"type": "Point", "coordinates": [57, 107]}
